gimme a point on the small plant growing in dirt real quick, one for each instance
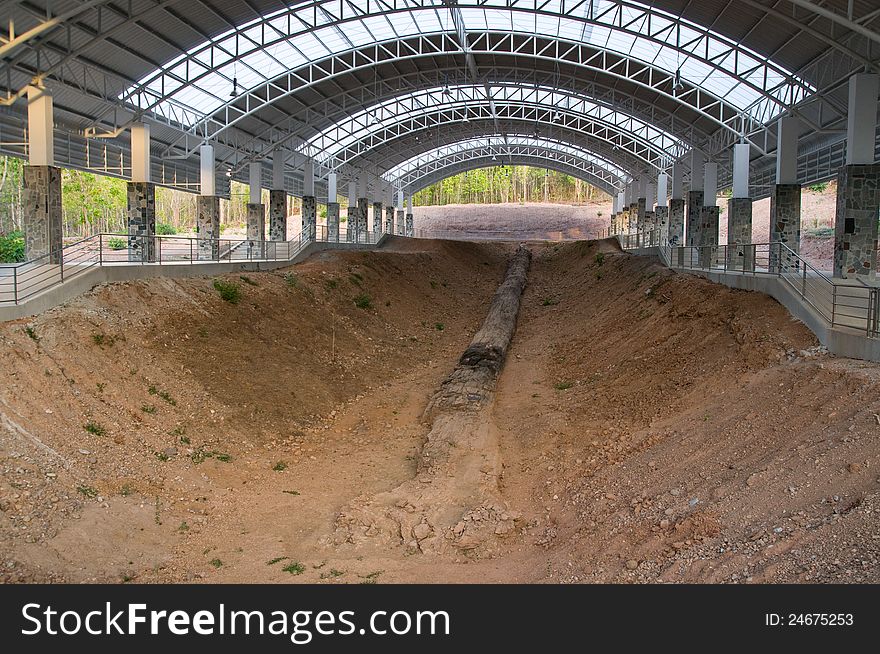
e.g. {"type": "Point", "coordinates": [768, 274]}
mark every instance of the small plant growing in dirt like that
{"type": "Point", "coordinates": [217, 563]}
{"type": "Point", "coordinates": [294, 568]}
{"type": "Point", "coordinates": [229, 291]}
{"type": "Point", "coordinates": [32, 334]}
{"type": "Point", "coordinates": [277, 559]}
{"type": "Point", "coordinates": [183, 526]}
{"type": "Point", "coordinates": [88, 491]}
{"type": "Point", "coordinates": [355, 278]}
{"type": "Point", "coordinates": [600, 258]}
{"type": "Point", "coordinates": [598, 275]}
{"type": "Point", "coordinates": [549, 302]}
{"type": "Point", "coordinates": [331, 284]}
{"type": "Point", "coordinates": [101, 386]}
{"type": "Point", "coordinates": [433, 284]}
{"type": "Point", "coordinates": [363, 301]}
{"type": "Point", "coordinates": [126, 490]}
{"type": "Point", "coordinates": [291, 280]}
{"type": "Point", "coordinates": [280, 466]}
{"type": "Point", "coordinates": [439, 326]}
{"type": "Point", "coordinates": [165, 395]}
{"type": "Point", "coordinates": [95, 429]}
{"type": "Point", "coordinates": [148, 408]}
{"type": "Point", "coordinates": [101, 340]}
{"type": "Point", "coordinates": [563, 385]}
{"type": "Point", "coordinates": [248, 280]}
{"type": "Point", "coordinates": [161, 456]}
{"type": "Point", "coordinates": [222, 457]}
{"type": "Point", "coordinates": [291, 492]}
{"type": "Point", "coordinates": [116, 243]}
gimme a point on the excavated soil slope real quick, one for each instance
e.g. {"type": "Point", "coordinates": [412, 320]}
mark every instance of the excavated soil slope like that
{"type": "Point", "coordinates": [647, 425]}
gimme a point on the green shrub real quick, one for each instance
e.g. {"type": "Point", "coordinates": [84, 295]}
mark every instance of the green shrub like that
{"type": "Point", "coordinates": [600, 258]}
{"type": "Point", "coordinates": [821, 187]}
{"type": "Point", "coordinates": [229, 291]}
{"type": "Point", "coordinates": [165, 229]}
{"type": "Point", "coordinates": [116, 243]}
{"type": "Point", "coordinates": [363, 301]}
{"type": "Point", "coordinates": [95, 429]}
{"type": "Point", "coordinates": [12, 247]}
{"type": "Point", "coordinates": [294, 568]}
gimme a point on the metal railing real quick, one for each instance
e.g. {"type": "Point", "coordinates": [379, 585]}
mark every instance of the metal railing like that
{"type": "Point", "coordinates": [839, 302]}
{"type": "Point", "coordinates": [21, 281]}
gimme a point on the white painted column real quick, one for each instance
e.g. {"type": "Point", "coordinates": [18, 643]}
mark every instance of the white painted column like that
{"type": "Point", "coordinates": [678, 181]}
{"type": "Point", "coordinates": [787, 150]}
{"type": "Point", "coordinates": [662, 189]}
{"type": "Point", "coordinates": [140, 152]}
{"type": "Point", "coordinates": [331, 188]}
{"type": "Point", "coordinates": [697, 170]}
{"type": "Point", "coordinates": [861, 126]}
{"type": "Point", "coordinates": [255, 177]}
{"type": "Point", "coordinates": [309, 178]}
{"type": "Point", "coordinates": [278, 172]}
{"type": "Point", "coordinates": [710, 184]}
{"type": "Point", "coordinates": [207, 170]}
{"type": "Point", "coordinates": [741, 153]}
{"type": "Point", "coordinates": [650, 195]}
{"type": "Point", "coordinates": [41, 127]}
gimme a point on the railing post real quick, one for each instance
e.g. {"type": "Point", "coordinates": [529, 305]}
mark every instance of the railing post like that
{"type": "Point", "coordinates": [804, 282]}
{"type": "Point", "coordinates": [15, 283]}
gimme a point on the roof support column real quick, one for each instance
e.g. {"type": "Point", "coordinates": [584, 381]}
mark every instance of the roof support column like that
{"type": "Point", "coordinates": [41, 192]}
{"type": "Point", "coordinates": [695, 200]}
{"type": "Point", "coordinates": [661, 211]}
{"type": "Point", "coordinates": [389, 210]}
{"type": "Point", "coordinates": [650, 238]}
{"type": "Point", "coordinates": [208, 207]}
{"type": "Point", "coordinates": [676, 208]}
{"type": "Point", "coordinates": [410, 228]}
{"type": "Point", "coordinates": [858, 185]}
{"type": "Point", "coordinates": [740, 251]}
{"type": "Point", "coordinates": [309, 203]}
{"type": "Point", "coordinates": [332, 209]}
{"type": "Point", "coordinates": [352, 218]}
{"type": "Point", "coordinates": [141, 199]}
{"type": "Point", "coordinates": [785, 201]}
{"type": "Point", "coordinates": [256, 212]}
{"type": "Point", "coordinates": [709, 216]}
{"type": "Point", "coordinates": [278, 200]}
{"type": "Point", "coordinates": [363, 207]}
{"type": "Point", "coordinates": [401, 214]}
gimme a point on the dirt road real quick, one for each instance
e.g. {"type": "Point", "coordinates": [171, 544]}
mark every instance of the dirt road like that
{"type": "Point", "coordinates": [649, 426]}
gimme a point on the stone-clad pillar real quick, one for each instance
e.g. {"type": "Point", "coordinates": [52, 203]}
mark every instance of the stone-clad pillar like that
{"type": "Point", "coordinates": [277, 215]}
{"type": "Point", "coordinates": [785, 220]}
{"type": "Point", "coordinates": [208, 227]}
{"type": "Point", "coordinates": [855, 225]}
{"type": "Point", "coordinates": [141, 221]}
{"type": "Point", "coordinates": [676, 221]}
{"type": "Point", "coordinates": [709, 216]}
{"type": "Point", "coordinates": [333, 222]}
{"type": "Point", "coordinates": [389, 219]}
{"type": "Point", "coordinates": [693, 217]}
{"type": "Point", "coordinates": [858, 185]}
{"type": "Point", "coordinates": [377, 220]}
{"type": "Point", "coordinates": [41, 192]}
{"type": "Point", "coordinates": [309, 217]}
{"type": "Point", "coordinates": [661, 219]}
{"type": "Point", "coordinates": [256, 230]}
{"type": "Point", "coordinates": [401, 222]}
{"type": "Point", "coordinates": [41, 205]}
{"type": "Point", "coordinates": [739, 235]}
{"type": "Point", "coordinates": [362, 209]}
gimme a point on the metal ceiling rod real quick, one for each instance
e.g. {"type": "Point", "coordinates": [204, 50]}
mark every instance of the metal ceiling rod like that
{"type": "Point", "coordinates": [843, 21]}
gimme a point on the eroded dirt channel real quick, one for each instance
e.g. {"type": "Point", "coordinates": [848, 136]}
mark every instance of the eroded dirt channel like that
{"type": "Point", "coordinates": [646, 426]}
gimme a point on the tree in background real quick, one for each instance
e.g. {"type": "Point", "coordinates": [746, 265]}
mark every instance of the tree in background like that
{"type": "Point", "coordinates": [503, 184]}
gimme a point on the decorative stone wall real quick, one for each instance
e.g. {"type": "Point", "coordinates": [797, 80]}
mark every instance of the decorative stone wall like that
{"type": "Point", "coordinates": [401, 227]}
{"type": "Point", "coordinates": [855, 225]}
{"type": "Point", "coordinates": [377, 219]}
{"type": "Point", "coordinates": [632, 219]}
{"type": "Point", "coordinates": [389, 220]}
{"type": "Point", "coordinates": [141, 221]}
{"type": "Point", "coordinates": [785, 222]}
{"type": "Point", "coordinates": [309, 217]}
{"type": "Point", "coordinates": [739, 235]}
{"type": "Point", "coordinates": [708, 234]}
{"type": "Point", "coordinates": [333, 221]}
{"type": "Point", "coordinates": [649, 237]}
{"type": "Point", "coordinates": [410, 229]}
{"type": "Point", "coordinates": [256, 231]}
{"type": "Point", "coordinates": [693, 217]}
{"type": "Point", "coordinates": [41, 206]}
{"type": "Point", "coordinates": [676, 221]}
{"type": "Point", "coordinates": [277, 215]}
{"type": "Point", "coordinates": [351, 222]}
{"type": "Point", "coordinates": [208, 227]}
{"type": "Point", "coordinates": [363, 208]}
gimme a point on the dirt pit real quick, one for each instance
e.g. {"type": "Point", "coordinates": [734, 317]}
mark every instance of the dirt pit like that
{"type": "Point", "coordinates": [647, 426]}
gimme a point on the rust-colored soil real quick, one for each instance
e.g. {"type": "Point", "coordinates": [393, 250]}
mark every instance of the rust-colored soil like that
{"type": "Point", "coordinates": [651, 426]}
